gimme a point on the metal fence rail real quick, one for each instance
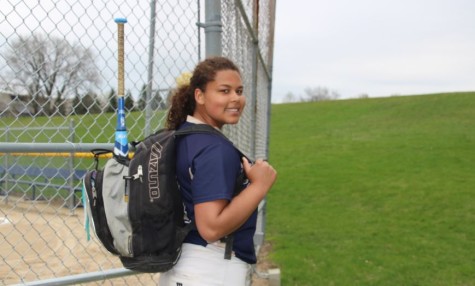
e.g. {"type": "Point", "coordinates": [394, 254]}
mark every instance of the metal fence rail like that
{"type": "Point", "coordinates": [58, 65]}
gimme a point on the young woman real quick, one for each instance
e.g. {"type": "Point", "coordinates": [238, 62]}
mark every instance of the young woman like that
{"type": "Point", "coordinates": [207, 168]}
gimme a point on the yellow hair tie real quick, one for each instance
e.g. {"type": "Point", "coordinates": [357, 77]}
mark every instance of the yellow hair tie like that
{"type": "Point", "coordinates": [183, 79]}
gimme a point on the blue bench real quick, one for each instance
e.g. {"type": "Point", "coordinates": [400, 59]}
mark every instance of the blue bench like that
{"type": "Point", "coordinates": [32, 173]}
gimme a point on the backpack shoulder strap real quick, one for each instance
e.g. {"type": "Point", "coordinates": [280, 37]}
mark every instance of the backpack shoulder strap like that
{"type": "Point", "coordinates": [205, 128]}
{"type": "Point", "coordinates": [198, 128]}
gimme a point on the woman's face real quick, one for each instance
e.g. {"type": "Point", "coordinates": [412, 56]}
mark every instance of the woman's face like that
{"type": "Point", "coordinates": [222, 101]}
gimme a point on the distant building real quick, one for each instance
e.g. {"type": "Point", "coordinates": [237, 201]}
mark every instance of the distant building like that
{"type": "Point", "coordinates": [15, 105]}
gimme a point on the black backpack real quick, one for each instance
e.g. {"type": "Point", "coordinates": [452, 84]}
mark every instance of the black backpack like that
{"type": "Point", "coordinates": [135, 205]}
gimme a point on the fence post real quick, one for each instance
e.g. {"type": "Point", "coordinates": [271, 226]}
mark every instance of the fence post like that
{"type": "Point", "coordinates": [151, 46]}
{"type": "Point", "coordinates": [198, 26]}
{"type": "Point", "coordinates": [269, 68]}
{"type": "Point", "coordinates": [72, 197]}
{"type": "Point", "coordinates": [255, 50]}
{"type": "Point", "coordinates": [213, 28]}
{"type": "Point", "coordinates": [6, 191]}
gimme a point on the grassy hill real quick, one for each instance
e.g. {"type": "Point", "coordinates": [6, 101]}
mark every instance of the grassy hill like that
{"type": "Point", "coordinates": [377, 191]}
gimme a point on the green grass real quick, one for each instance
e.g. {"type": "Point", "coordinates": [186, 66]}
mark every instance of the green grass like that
{"type": "Point", "coordinates": [374, 191]}
{"type": "Point", "coordinates": [90, 128]}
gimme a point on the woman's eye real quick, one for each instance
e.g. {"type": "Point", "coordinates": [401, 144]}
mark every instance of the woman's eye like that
{"type": "Point", "coordinates": [228, 91]}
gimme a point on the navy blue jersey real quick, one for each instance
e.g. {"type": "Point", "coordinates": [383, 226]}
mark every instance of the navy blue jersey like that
{"type": "Point", "coordinates": [214, 164]}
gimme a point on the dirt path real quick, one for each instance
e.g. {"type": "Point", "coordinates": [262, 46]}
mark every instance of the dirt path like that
{"type": "Point", "coordinates": [40, 240]}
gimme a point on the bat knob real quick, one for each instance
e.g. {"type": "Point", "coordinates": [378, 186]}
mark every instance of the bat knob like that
{"type": "Point", "coordinates": [120, 20]}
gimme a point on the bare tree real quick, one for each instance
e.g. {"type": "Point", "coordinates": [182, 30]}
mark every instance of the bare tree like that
{"type": "Point", "coordinates": [88, 103]}
{"type": "Point", "coordinates": [156, 102]}
{"type": "Point", "coordinates": [320, 94]}
{"type": "Point", "coordinates": [141, 103]}
{"type": "Point", "coordinates": [289, 97]}
{"type": "Point", "coordinates": [112, 101]}
{"type": "Point", "coordinates": [49, 70]}
{"type": "Point", "coordinates": [129, 101]}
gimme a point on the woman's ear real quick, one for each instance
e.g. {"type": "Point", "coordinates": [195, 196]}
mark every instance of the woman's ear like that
{"type": "Point", "coordinates": [199, 97]}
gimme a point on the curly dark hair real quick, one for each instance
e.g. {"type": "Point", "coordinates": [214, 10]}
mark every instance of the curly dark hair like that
{"type": "Point", "coordinates": [183, 100]}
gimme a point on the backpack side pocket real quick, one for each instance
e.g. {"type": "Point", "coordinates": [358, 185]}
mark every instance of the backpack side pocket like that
{"type": "Point", "coordinates": [95, 209]}
{"type": "Point", "coordinates": [116, 205]}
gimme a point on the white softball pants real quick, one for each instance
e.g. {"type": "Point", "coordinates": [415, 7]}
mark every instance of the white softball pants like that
{"type": "Point", "coordinates": [206, 266]}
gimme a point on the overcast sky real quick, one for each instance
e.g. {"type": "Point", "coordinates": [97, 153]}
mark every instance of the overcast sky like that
{"type": "Point", "coordinates": [374, 47]}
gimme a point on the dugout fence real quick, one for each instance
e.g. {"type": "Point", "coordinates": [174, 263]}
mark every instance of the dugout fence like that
{"type": "Point", "coordinates": [58, 65]}
{"type": "Point", "coordinates": [30, 181]}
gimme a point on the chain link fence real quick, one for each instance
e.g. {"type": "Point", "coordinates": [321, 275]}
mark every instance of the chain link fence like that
{"type": "Point", "coordinates": [58, 85]}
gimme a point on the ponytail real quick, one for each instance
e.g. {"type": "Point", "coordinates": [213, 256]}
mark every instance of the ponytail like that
{"type": "Point", "coordinates": [182, 104]}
